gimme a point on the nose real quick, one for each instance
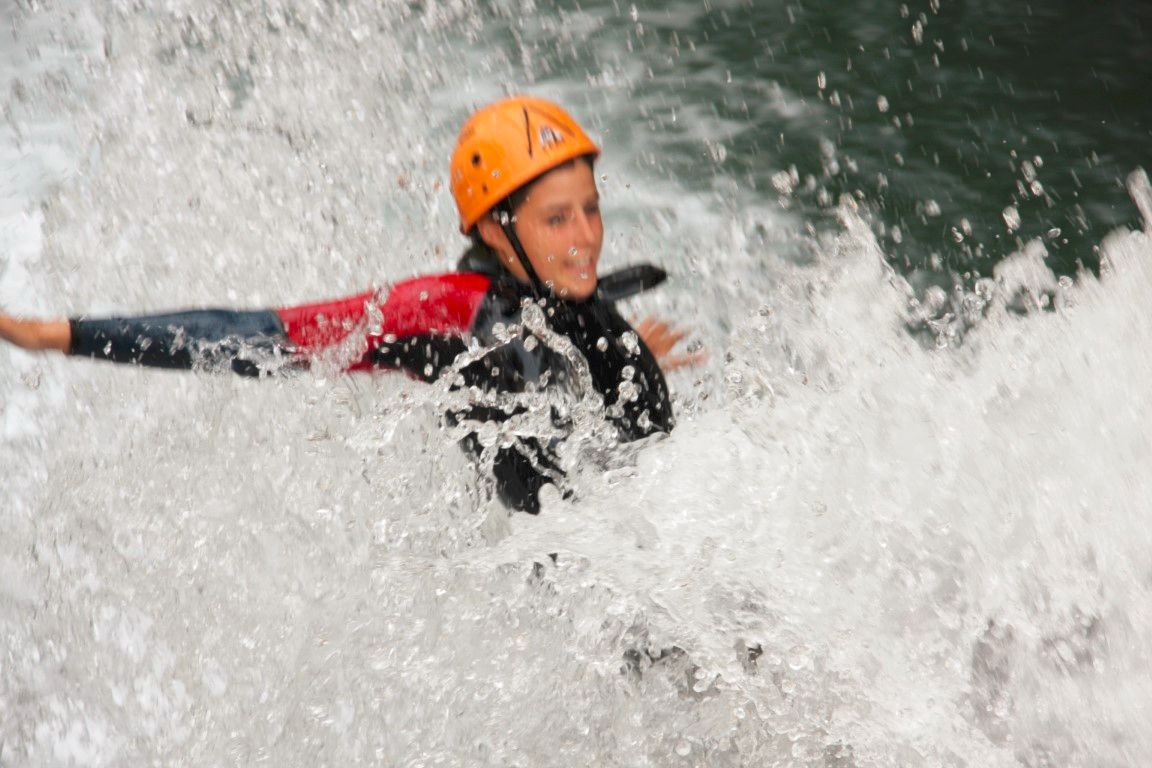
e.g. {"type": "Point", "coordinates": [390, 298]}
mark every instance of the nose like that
{"type": "Point", "coordinates": [586, 227]}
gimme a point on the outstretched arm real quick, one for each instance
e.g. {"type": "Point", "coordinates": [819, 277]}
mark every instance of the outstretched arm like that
{"type": "Point", "coordinates": [243, 341]}
{"type": "Point", "coordinates": [36, 334]}
{"type": "Point", "coordinates": [415, 327]}
{"type": "Point", "coordinates": [248, 342]}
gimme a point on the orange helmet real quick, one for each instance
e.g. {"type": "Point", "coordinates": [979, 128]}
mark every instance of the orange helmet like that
{"type": "Point", "coordinates": [505, 145]}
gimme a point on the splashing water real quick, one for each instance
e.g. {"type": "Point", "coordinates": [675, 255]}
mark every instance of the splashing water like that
{"type": "Point", "coordinates": [856, 549]}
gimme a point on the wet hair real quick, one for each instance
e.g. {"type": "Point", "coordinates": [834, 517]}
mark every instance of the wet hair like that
{"type": "Point", "coordinates": [517, 198]}
{"type": "Point", "coordinates": [481, 249]}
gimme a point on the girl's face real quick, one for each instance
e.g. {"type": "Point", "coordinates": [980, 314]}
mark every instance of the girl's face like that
{"type": "Point", "coordinates": [560, 228]}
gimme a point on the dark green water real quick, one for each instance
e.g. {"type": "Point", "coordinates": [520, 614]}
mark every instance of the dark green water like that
{"type": "Point", "coordinates": [938, 115]}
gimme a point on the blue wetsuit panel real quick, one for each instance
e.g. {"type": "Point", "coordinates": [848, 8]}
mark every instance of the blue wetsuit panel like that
{"type": "Point", "coordinates": [182, 339]}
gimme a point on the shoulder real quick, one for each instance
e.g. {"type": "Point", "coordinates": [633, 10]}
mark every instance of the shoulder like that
{"type": "Point", "coordinates": [448, 286]}
{"type": "Point", "coordinates": [444, 303]}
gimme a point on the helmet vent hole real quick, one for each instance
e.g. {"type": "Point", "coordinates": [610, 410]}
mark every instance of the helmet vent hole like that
{"type": "Point", "coordinates": [485, 188]}
{"type": "Point", "coordinates": [476, 160]}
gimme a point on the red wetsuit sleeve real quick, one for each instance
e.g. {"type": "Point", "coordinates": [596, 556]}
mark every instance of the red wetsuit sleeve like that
{"type": "Point", "coordinates": [436, 305]}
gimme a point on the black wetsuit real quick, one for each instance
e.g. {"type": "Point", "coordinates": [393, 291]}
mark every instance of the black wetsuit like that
{"type": "Point", "coordinates": [420, 326]}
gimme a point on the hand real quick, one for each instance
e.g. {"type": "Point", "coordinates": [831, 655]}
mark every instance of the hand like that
{"type": "Point", "coordinates": [660, 338]}
{"type": "Point", "coordinates": [36, 334]}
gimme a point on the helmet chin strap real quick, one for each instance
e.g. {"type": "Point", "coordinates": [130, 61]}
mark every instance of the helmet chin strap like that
{"type": "Point", "coordinates": [504, 213]}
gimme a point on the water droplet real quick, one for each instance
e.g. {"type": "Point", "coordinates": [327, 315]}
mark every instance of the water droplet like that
{"type": "Point", "coordinates": [633, 13]}
{"type": "Point", "coordinates": [1054, 233]}
{"type": "Point", "coordinates": [628, 391]}
{"type": "Point", "coordinates": [882, 103]}
{"type": "Point", "coordinates": [799, 657]}
{"type": "Point", "coordinates": [32, 378]}
{"type": "Point", "coordinates": [488, 434]}
{"type": "Point", "coordinates": [783, 182]}
{"type": "Point", "coordinates": [1011, 218]}
{"type": "Point", "coordinates": [602, 344]}
{"type": "Point", "coordinates": [931, 208]}
{"type": "Point", "coordinates": [573, 251]}
{"type": "Point", "coordinates": [802, 751]}
{"type": "Point", "coordinates": [821, 81]}
{"type": "Point", "coordinates": [683, 748]}
{"type": "Point", "coordinates": [375, 318]}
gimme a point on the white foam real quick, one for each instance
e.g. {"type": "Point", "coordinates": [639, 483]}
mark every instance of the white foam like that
{"type": "Point", "coordinates": [935, 555]}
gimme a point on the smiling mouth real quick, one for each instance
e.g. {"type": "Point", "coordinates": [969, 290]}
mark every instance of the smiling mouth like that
{"type": "Point", "coordinates": [581, 267]}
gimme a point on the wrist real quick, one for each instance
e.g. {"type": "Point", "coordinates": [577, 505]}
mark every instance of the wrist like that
{"type": "Point", "coordinates": [36, 334]}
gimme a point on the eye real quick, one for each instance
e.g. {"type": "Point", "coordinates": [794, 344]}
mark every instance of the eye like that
{"type": "Point", "coordinates": [592, 209]}
{"type": "Point", "coordinates": [557, 219]}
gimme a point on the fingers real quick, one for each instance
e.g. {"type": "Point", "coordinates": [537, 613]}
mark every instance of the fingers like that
{"type": "Point", "coordinates": [646, 328]}
{"type": "Point", "coordinates": [661, 338]}
{"type": "Point", "coordinates": [664, 334]}
{"type": "Point", "coordinates": [675, 362]}
{"type": "Point", "coordinates": [658, 335]}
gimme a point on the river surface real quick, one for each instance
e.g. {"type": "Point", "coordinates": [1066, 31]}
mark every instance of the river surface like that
{"type": "Point", "coordinates": [902, 521]}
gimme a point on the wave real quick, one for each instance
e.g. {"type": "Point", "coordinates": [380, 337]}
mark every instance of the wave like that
{"type": "Point", "coordinates": [889, 528]}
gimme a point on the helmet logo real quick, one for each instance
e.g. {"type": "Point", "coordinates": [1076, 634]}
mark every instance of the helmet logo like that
{"type": "Point", "coordinates": [549, 136]}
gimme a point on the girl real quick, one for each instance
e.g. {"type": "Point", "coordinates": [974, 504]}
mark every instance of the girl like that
{"type": "Point", "coordinates": [525, 296]}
